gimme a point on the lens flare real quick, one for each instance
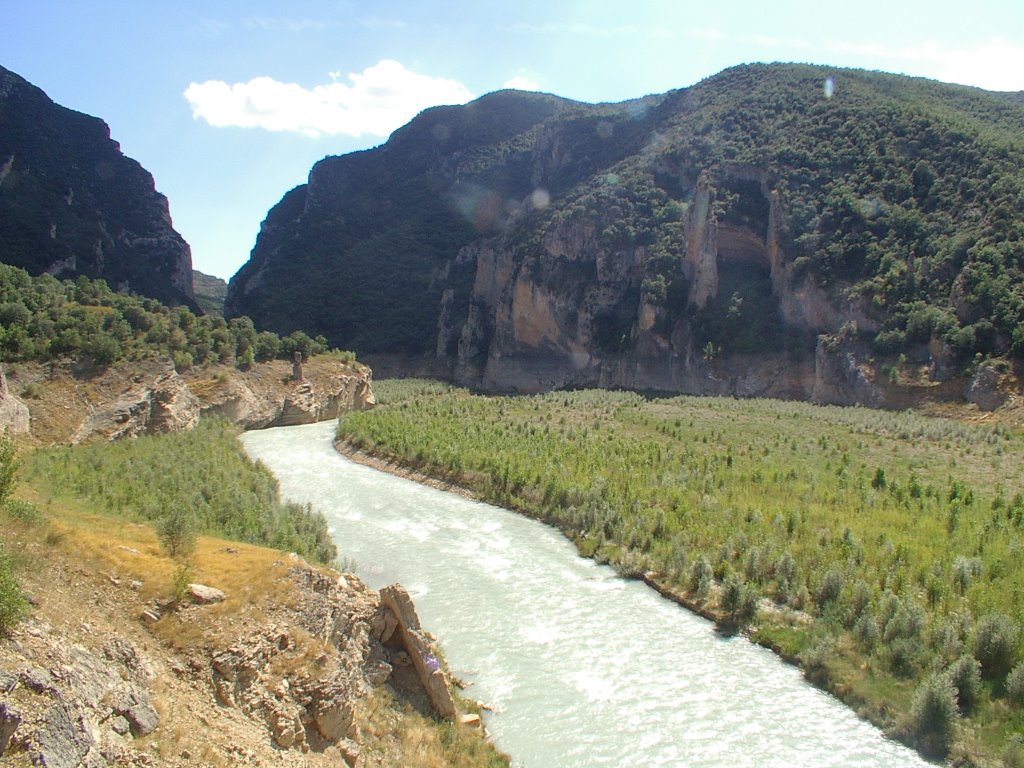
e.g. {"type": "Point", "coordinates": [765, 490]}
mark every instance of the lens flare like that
{"type": "Point", "coordinates": [540, 199]}
{"type": "Point", "coordinates": [830, 87]}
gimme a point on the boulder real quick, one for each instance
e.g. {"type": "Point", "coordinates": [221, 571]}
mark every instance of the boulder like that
{"type": "Point", "coordinates": [10, 719]}
{"type": "Point", "coordinates": [983, 388]}
{"type": "Point", "coordinates": [202, 594]}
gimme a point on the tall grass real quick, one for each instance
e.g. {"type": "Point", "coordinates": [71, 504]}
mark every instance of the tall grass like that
{"type": "Point", "coordinates": [204, 473]}
{"type": "Point", "coordinates": [892, 530]}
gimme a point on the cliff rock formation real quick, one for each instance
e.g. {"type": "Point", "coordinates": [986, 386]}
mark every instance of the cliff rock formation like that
{"type": "Point", "coordinates": [14, 414]}
{"type": "Point", "coordinates": [83, 682]}
{"type": "Point", "coordinates": [756, 233]}
{"type": "Point", "coordinates": [72, 204]}
{"type": "Point", "coordinates": [129, 399]}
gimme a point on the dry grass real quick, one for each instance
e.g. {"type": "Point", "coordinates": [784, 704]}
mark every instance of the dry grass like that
{"type": "Point", "coordinates": [80, 565]}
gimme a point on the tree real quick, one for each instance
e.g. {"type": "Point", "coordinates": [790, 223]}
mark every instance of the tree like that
{"type": "Point", "coordinates": [995, 645]}
{"type": "Point", "coordinates": [176, 530]}
{"type": "Point", "coordinates": [933, 715]}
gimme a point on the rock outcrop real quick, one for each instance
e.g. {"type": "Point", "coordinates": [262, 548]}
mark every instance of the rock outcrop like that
{"type": "Point", "coordinates": [164, 404]}
{"type": "Point", "coordinates": [130, 399]}
{"type": "Point", "coordinates": [372, 638]}
{"type": "Point", "coordinates": [14, 414]}
{"type": "Point", "coordinates": [72, 204]}
{"type": "Point", "coordinates": [398, 626]}
{"type": "Point", "coordinates": [84, 709]}
{"type": "Point", "coordinates": [289, 675]}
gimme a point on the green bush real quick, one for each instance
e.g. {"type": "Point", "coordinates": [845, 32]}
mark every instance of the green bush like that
{"type": "Point", "coordinates": [1015, 685]}
{"type": "Point", "coordinates": [995, 645]}
{"type": "Point", "coordinates": [965, 674]}
{"type": "Point", "coordinates": [181, 580]}
{"type": "Point", "coordinates": [701, 577]}
{"type": "Point", "coordinates": [24, 511]}
{"type": "Point", "coordinates": [830, 587]}
{"type": "Point", "coordinates": [1013, 756]}
{"type": "Point", "coordinates": [8, 467]}
{"type": "Point", "coordinates": [176, 530]}
{"type": "Point", "coordinates": [201, 478]}
{"type": "Point", "coordinates": [13, 605]}
{"type": "Point", "coordinates": [934, 715]}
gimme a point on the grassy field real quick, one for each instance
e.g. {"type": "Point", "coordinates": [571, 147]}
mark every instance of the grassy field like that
{"type": "Point", "coordinates": [881, 549]}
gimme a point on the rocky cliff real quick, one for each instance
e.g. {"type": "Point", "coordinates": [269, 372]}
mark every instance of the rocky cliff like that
{"type": "Point", "coordinates": [286, 665]}
{"type": "Point", "coordinates": [72, 204]}
{"type": "Point", "coordinates": [75, 404]}
{"type": "Point", "coordinates": [756, 234]}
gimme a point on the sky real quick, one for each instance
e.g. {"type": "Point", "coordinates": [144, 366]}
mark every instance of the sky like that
{"type": "Point", "coordinates": [230, 103]}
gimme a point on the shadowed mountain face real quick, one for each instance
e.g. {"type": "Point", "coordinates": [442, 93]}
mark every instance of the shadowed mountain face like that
{"type": "Point", "coordinates": [72, 204]}
{"type": "Point", "coordinates": [765, 231]}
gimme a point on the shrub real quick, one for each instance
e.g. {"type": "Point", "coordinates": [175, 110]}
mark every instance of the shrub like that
{"type": "Point", "coordinates": [866, 630]}
{"type": "Point", "coordinates": [700, 577]}
{"type": "Point", "coordinates": [830, 587]}
{"type": "Point", "coordinates": [965, 570]}
{"type": "Point", "coordinates": [904, 657]}
{"type": "Point", "coordinates": [1013, 756]}
{"type": "Point", "coordinates": [22, 510]}
{"type": "Point", "coordinates": [815, 660]}
{"type": "Point", "coordinates": [1015, 685]}
{"type": "Point", "coordinates": [177, 532]}
{"type": "Point", "coordinates": [8, 467]}
{"type": "Point", "coordinates": [181, 581]}
{"type": "Point", "coordinates": [906, 621]}
{"type": "Point", "coordinates": [739, 601]}
{"type": "Point", "coordinates": [933, 715]}
{"type": "Point", "coordinates": [13, 605]}
{"type": "Point", "coordinates": [965, 674]}
{"type": "Point", "coordinates": [995, 645]}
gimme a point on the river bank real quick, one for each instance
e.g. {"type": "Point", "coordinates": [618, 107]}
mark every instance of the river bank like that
{"type": "Point", "coordinates": [548, 637]}
{"type": "Point", "coordinates": [846, 529]}
{"type": "Point", "coordinates": [707, 608]}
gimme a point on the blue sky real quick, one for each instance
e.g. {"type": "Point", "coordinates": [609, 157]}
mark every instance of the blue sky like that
{"type": "Point", "coordinates": [230, 103]}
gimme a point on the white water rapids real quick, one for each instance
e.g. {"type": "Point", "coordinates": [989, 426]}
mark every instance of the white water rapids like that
{"type": "Point", "coordinates": [583, 668]}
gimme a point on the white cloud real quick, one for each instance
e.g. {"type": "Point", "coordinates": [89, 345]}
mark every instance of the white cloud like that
{"type": "Point", "coordinates": [998, 65]}
{"type": "Point", "coordinates": [379, 99]}
{"type": "Point", "coordinates": [521, 83]}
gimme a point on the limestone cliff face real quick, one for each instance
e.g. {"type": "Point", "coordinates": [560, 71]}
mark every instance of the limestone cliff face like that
{"type": "Point", "coordinates": [72, 204]}
{"type": "Point", "coordinates": [572, 311]}
{"type": "Point", "coordinates": [127, 400]}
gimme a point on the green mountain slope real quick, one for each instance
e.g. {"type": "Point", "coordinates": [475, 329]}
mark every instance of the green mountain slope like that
{"type": "Point", "coordinates": [748, 214]}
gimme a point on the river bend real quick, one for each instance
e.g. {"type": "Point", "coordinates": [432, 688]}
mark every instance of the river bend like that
{"type": "Point", "coordinates": [584, 669]}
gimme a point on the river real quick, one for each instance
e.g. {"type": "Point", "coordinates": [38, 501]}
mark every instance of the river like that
{"type": "Point", "coordinates": [582, 667]}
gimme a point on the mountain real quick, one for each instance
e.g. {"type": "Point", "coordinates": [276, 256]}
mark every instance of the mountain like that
{"type": "Point", "coordinates": [782, 230]}
{"type": "Point", "coordinates": [209, 292]}
{"type": "Point", "coordinates": [72, 204]}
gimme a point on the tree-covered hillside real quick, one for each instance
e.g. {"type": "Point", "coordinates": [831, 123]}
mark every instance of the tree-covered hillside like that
{"type": "Point", "coordinates": [899, 201]}
{"type": "Point", "coordinates": [42, 318]}
{"type": "Point", "coordinates": [904, 193]}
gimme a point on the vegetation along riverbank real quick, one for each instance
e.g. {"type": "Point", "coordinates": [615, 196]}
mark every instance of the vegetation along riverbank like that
{"type": "Point", "coordinates": [880, 550]}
